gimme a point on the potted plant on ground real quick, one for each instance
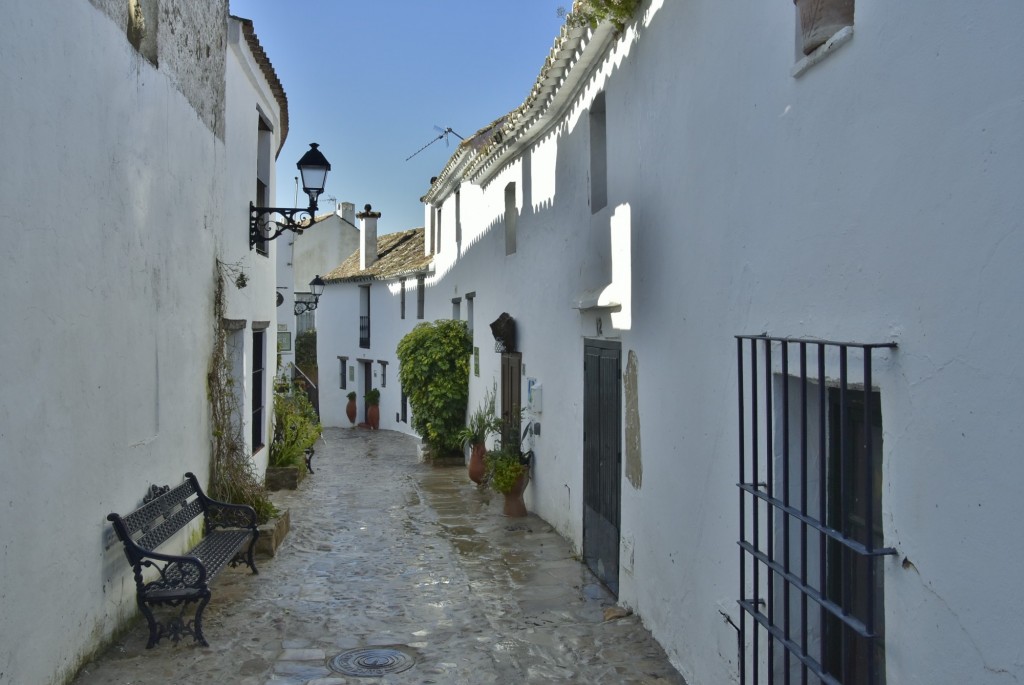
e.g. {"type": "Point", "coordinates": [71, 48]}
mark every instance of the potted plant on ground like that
{"type": "Point", "coordinates": [508, 472]}
{"type": "Point", "coordinates": [482, 424]}
{"type": "Point", "coordinates": [296, 429]}
{"type": "Point", "coordinates": [350, 408]}
{"type": "Point", "coordinates": [373, 408]}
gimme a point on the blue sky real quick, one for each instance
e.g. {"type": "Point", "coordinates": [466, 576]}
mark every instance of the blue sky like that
{"type": "Point", "coordinates": [370, 80]}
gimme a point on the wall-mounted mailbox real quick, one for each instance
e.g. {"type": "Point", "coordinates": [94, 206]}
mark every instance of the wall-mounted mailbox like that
{"type": "Point", "coordinates": [534, 395]}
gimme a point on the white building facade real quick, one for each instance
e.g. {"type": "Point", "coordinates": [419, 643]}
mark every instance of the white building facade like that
{"type": "Point", "coordinates": [303, 257]}
{"type": "Point", "coordinates": [370, 302]}
{"type": "Point", "coordinates": [131, 160]}
{"type": "Point", "coordinates": [666, 192]}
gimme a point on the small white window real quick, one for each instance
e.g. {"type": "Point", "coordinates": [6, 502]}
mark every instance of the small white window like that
{"type": "Point", "coordinates": [598, 155]}
{"type": "Point", "coordinates": [511, 218]}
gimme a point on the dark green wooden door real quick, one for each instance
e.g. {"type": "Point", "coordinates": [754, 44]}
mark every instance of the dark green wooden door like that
{"type": "Point", "coordinates": [602, 459]}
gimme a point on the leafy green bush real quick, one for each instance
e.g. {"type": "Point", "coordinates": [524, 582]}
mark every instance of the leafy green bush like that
{"type": "Point", "coordinates": [296, 426]}
{"type": "Point", "coordinates": [305, 351]}
{"type": "Point", "coordinates": [434, 372]}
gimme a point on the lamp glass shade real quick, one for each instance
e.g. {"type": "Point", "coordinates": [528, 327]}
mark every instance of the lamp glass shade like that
{"type": "Point", "coordinates": [316, 286]}
{"type": "Point", "coordinates": [314, 167]}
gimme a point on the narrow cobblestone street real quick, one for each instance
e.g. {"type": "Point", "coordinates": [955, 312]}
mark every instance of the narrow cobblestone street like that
{"type": "Point", "coordinates": [386, 552]}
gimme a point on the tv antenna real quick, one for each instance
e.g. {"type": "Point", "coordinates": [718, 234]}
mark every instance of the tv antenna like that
{"type": "Point", "coordinates": [442, 133]}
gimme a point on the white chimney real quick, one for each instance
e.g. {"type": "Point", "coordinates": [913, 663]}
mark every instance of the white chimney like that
{"type": "Point", "coordinates": [367, 237]}
{"type": "Point", "coordinates": [348, 212]}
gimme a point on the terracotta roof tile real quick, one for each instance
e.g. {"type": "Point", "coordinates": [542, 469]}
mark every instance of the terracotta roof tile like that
{"type": "Point", "coordinates": [268, 72]}
{"type": "Point", "coordinates": [398, 254]}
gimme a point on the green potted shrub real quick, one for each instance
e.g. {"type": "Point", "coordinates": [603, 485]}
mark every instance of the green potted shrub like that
{"type": "Point", "coordinates": [296, 429]}
{"type": "Point", "coordinates": [508, 472]}
{"type": "Point", "coordinates": [373, 408]}
{"type": "Point", "coordinates": [482, 424]}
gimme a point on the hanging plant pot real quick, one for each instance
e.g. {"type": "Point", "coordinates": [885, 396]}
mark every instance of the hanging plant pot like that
{"type": "Point", "coordinates": [822, 19]}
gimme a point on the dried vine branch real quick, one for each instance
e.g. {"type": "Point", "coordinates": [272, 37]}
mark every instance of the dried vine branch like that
{"type": "Point", "coordinates": [233, 477]}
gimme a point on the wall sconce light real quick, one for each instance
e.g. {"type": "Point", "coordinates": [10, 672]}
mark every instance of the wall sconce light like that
{"type": "Point", "coordinates": [314, 167]}
{"type": "Point", "coordinates": [316, 287]}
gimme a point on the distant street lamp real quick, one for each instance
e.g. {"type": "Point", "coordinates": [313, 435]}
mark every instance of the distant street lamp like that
{"type": "Point", "coordinates": [316, 287]}
{"type": "Point", "coordinates": [314, 167]}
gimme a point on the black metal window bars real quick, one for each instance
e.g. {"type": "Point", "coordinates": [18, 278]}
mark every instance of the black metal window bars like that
{"type": "Point", "coordinates": [810, 542]}
{"type": "Point", "coordinates": [364, 332]}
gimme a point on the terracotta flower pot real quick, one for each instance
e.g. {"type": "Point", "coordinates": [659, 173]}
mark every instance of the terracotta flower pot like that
{"type": "Point", "coordinates": [477, 468]}
{"type": "Point", "coordinates": [822, 19]}
{"type": "Point", "coordinates": [373, 416]}
{"type": "Point", "coordinates": [350, 411]}
{"type": "Point", "coordinates": [515, 506]}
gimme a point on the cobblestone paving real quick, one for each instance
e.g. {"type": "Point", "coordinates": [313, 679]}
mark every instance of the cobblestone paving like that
{"type": "Point", "coordinates": [386, 551]}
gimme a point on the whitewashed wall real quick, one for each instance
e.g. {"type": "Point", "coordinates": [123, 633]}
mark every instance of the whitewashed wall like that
{"type": "Point", "coordinates": [315, 252]}
{"type": "Point", "coordinates": [114, 197]}
{"type": "Point", "coordinates": [249, 96]}
{"type": "Point", "coordinates": [874, 198]}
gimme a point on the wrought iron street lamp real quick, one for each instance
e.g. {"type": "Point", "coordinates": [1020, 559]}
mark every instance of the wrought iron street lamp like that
{"type": "Point", "coordinates": [316, 287]}
{"type": "Point", "coordinates": [314, 167]}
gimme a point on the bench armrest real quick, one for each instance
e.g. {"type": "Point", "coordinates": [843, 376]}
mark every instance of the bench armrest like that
{"type": "Point", "coordinates": [176, 572]}
{"type": "Point", "coordinates": [222, 514]}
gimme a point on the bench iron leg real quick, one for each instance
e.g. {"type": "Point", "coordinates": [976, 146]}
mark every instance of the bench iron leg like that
{"type": "Point", "coordinates": [197, 627]}
{"type": "Point", "coordinates": [250, 557]}
{"type": "Point", "coordinates": [154, 627]}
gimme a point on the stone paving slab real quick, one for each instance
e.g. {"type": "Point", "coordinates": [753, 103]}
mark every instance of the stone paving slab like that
{"type": "Point", "coordinates": [386, 551]}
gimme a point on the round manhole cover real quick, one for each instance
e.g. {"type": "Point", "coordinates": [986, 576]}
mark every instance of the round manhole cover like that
{"type": "Point", "coordinates": [372, 661]}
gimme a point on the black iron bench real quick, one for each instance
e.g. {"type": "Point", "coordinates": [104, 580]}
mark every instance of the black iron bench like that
{"type": "Point", "coordinates": [230, 535]}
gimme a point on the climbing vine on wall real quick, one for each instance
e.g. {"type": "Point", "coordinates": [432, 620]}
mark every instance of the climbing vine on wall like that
{"type": "Point", "coordinates": [434, 372]}
{"type": "Point", "coordinates": [233, 477]}
{"type": "Point", "coordinates": [593, 12]}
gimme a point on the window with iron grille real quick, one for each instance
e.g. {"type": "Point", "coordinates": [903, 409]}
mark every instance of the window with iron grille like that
{"type": "Point", "coordinates": [343, 373]}
{"type": "Point", "coordinates": [264, 163]}
{"type": "Point", "coordinates": [258, 365]}
{"type": "Point", "coordinates": [383, 373]}
{"type": "Point", "coordinates": [364, 316]}
{"type": "Point", "coordinates": [810, 538]}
